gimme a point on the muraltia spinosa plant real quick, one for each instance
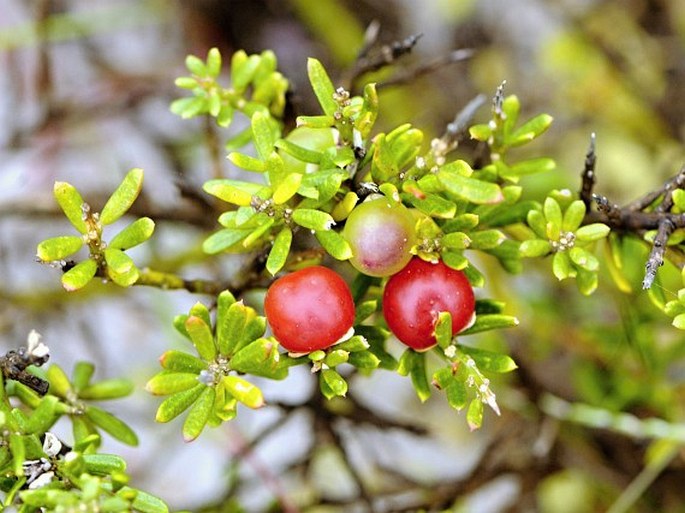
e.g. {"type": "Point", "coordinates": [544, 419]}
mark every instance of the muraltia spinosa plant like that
{"type": "Point", "coordinates": [334, 183]}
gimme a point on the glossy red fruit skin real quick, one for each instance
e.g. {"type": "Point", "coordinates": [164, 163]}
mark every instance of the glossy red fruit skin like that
{"type": "Point", "coordinates": [415, 296]}
{"type": "Point", "coordinates": [309, 309]}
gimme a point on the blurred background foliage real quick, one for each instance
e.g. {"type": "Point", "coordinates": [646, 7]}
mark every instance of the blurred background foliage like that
{"type": "Point", "coordinates": [85, 92]}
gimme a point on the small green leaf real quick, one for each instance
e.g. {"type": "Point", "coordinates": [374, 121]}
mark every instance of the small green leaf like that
{"type": "Point", "coordinates": [553, 218]}
{"type": "Point", "coordinates": [536, 220]}
{"type": "Point", "coordinates": [287, 188]}
{"type": "Point", "coordinates": [246, 162]}
{"type": "Point", "coordinates": [322, 86]}
{"type": "Point", "coordinates": [78, 276]}
{"type": "Point", "coordinates": [279, 251]}
{"type": "Point", "coordinates": [213, 62]}
{"type": "Point", "coordinates": [176, 404]}
{"type": "Point", "coordinates": [584, 259]}
{"type": "Point", "coordinates": [112, 425]}
{"type": "Point", "coordinates": [471, 189]}
{"type": "Point", "coordinates": [123, 197]}
{"type": "Point", "coordinates": [573, 216]}
{"type": "Point", "coordinates": [332, 384]}
{"type": "Point", "coordinates": [118, 262]}
{"type": "Point", "coordinates": [364, 360]}
{"type": "Point", "coordinates": [443, 329]}
{"type": "Point", "coordinates": [413, 364]}
{"type": "Point", "coordinates": [480, 132]}
{"type": "Point", "coordinates": [260, 358]}
{"type": "Point", "coordinates": [44, 416]}
{"type": "Point", "coordinates": [230, 326]}
{"type": "Point", "coordinates": [586, 281]}
{"type": "Point", "coordinates": [59, 382]}
{"type": "Point", "coordinates": [474, 415]}
{"type": "Point", "coordinates": [232, 191]}
{"type": "Point", "coordinates": [188, 107]}
{"type": "Point", "coordinates": [58, 248]}
{"type": "Point", "coordinates": [561, 266]}
{"type": "Point", "coordinates": [224, 239]}
{"type": "Point", "coordinates": [134, 234]}
{"type": "Point", "coordinates": [83, 372]}
{"type": "Point", "coordinates": [529, 130]}
{"type": "Point", "coordinates": [592, 232]}
{"type": "Point", "coordinates": [262, 134]}
{"type": "Point", "coordinates": [147, 503]}
{"type": "Point", "coordinates": [198, 415]}
{"type": "Point", "coordinates": [535, 248]}
{"type": "Point", "coordinates": [103, 464]}
{"type": "Point", "coordinates": [107, 389]}
{"type": "Point", "coordinates": [299, 152]}
{"type": "Point", "coordinates": [171, 382]}
{"type": "Point", "coordinates": [679, 321]}
{"type": "Point", "coordinates": [313, 219]}
{"type": "Point", "coordinates": [488, 322]}
{"type": "Point", "coordinates": [488, 360]}
{"type": "Point", "coordinates": [180, 361]}
{"type": "Point", "coordinates": [456, 240]}
{"type": "Point", "coordinates": [244, 391]}
{"type": "Point", "coordinates": [196, 66]}
{"type": "Point", "coordinates": [71, 203]}
{"type": "Point", "coordinates": [201, 336]}
{"type": "Point", "coordinates": [335, 244]}
{"type": "Point", "coordinates": [315, 121]}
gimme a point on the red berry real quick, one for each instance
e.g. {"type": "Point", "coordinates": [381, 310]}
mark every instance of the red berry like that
{"type": "Point", "coordinates": [415, 296]}
{"type": "Point", "coordinates": [309, 309]}
{"type": "Point", "coordinates": [381, 233]}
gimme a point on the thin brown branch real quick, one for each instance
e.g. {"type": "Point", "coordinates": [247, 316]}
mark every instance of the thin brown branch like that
{"type": "Point", "coordinates": [588, 176]}
{"type": "Point", "coordinates": [407, 76]}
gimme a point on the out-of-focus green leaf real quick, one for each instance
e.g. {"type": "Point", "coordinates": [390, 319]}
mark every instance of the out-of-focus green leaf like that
{"type": "Point", "coordinates": [112, 425]}
{"type": "Point", "coordinates": [107, 389]}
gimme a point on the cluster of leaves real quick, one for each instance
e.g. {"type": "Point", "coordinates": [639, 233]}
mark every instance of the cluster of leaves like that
{"type": "Point", "coordinates": [38, 472]}
{"type": "Point", "coordinates": [106, 258]}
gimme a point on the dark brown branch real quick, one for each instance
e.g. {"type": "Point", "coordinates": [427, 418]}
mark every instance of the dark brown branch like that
{"type": "Point", "coordinates": [13, 364]}
{"type": "Point", "coordinates": [656, 256]}
{"type": "Point", "coordinates": [588, 175]}
{"type": "Point", "coordinates": [407, 76]}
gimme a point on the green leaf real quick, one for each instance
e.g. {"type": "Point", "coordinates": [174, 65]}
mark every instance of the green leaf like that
{"type": "Point", "coordinates": [443, 329]}
{"type": "Point", "coordinates": [107, 389]}
{"type": "Point", "coordinates": [434, 206]}
{"type": "Point", "coordinates": [586, 281]}
{"type": "Point", "coordinates": [488, 322]}
{"type": "Point", "coordinates": [246, 162]}
{"type": "Point", "coordinates": [224, 239]}
{"type": "Point", "coordinates": [230, 326]}
{"type": "Point", "coordinates": [367, 117]}
{"type": "Point", "coordinates": [83, 372]}
{"type": "Point", "coordinates": [171, 382]}
{"type": "Point", "coordinates": [335, 244]}
{"type": "Point", "coordinates": [455, 240]}
{"type": "Point", "coordinates": [103, 464]}
{"type": "Point", "coordinates": [287, 188]}
{"type": "Point", "coordinates": [553, 218]}
{"type": "Point", "coordinates": [583, 259]}
{"type": "Point", "coordinates": [279, 251]}
{"type": "Point", "coordinates": [529, 167]}
{"type": "Point", "coordinates": [180, 361]}
{"type": "Point", "coordinates": [59, 381]}
{"type": "Point", "coordinates": [299, 152]}
{"type": "Point", "coordinates": [44, 416]}
{"type": "Point", "coordinates": [244, 391]}
{"type": "Point", "coordinates": [573, 216]}
{"type": "Point", "coordinates": [123, 197]}
{"type": "Point", "coordinates": [561, 266]}
{"type": "Point", "coordinates": [112, 425]}
{"type": "Point", "coordinates": [78, 276]}
{"type": "Point", "coordinates": [679, 321]}
{"type": "Point", "coordinates": [535, 248]}
{"type": "Point", "coordinates": [536, 220]}
{"type": "Point", "coordinates": [592, 232]}
{"type": "Point", "coordinates": [176, 404]}
{"type": "Point", "coordinates": [315, 121]}
{"type": "Point", "coordinates": [332, 384]}
{"type": "Point", "coordinates": [486, 239]}
{"type": "Point", "coordinates": [198, 415]}
{"type": "Point", "coordinates": [232, 191]}
{"type": "Point", "coordinates": [262, 135]}
{"type": "Point", "coordinates": [201, 336]}
{"type": "Point", "coordinates": [71, 203]}
{"type": "Point", "coordinates": [57, 248]}
{"type": "Point", "coordinates": [188, 107]}
{"type": "Point", "coordinates": [213, 62]}
{"type": "Point", "coordinates": [134, 234]}
{"type": "Point", "coordinates": [471, 189]}
{"type": "Point", "coordinates": [322, 86]}
{"type": "Point", "coordinates": [147, 503]}
{"type": "Point", "coordinates": [413, 364]}
{"type": "Point", "coordinates": [260, 358]}
{"type": "Point", "coordinates": [488, 360]}
{"type": "Point", "coordinates": [529, 130]}
{"type": "Point", "coordinates": [480, 132]}
{"type": "Point", "coordinates": [474, 415]}
{"type": "Point", "coordinates": [120, 267]}
{"type": "Point", "coordinates": [196, 66]}
{"type": "Point", "coordinates": [313, 219]}
{"type": "Point", "coordinates": [364, 360]}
